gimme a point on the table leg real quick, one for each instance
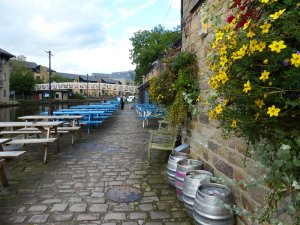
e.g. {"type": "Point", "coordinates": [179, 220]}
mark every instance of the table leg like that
{"type": "Point", "coordinates": [3, 174]}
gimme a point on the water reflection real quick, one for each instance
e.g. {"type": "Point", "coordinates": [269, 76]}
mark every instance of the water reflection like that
{"type": "Point", "coordinates": [12, 113]}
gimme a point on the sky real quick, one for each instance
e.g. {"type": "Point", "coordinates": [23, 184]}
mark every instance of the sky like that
{"type": "Point", "coordinates": [84, 36]}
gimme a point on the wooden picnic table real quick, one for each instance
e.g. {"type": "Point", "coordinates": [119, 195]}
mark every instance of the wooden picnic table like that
{"type": "Point", "coordinates": [15, 128]}
{"type": "Point", "coordinates": [72, 120]}
{"type": "Point", "coordinates": [44, 127]}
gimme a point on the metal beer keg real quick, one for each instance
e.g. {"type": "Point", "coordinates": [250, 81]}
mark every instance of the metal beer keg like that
{"type": "Point", "coordinates": [172, 165]}
{"type": "Point", "coordinates": [184, 166]}
{"type": "Point", "coordinates": [209, 205]}
{"type": "Point", "coordinates": [190, 186]}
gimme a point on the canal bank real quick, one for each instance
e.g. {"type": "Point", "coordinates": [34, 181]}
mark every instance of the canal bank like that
{"type": "Point", "coordinates": [83, 184]}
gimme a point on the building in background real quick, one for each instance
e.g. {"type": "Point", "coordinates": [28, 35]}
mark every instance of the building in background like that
{"type": "Point", "coordinates": [5, 70]}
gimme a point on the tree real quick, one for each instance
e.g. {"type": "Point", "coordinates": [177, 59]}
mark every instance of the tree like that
{"type": "Point", "coordinates": [150, 46]}
{"type": "Point", "coordinates": [59, 79]}
{"type": "Point", "coordinates": [21, 79]}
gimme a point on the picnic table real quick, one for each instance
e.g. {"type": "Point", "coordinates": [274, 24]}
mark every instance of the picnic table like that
{"type": "Point", "coordinates": [44, 128]}
{"type": "Point", "coordinates": [71, 120]}
{"type": "Point", "coordinates": [90, 116]}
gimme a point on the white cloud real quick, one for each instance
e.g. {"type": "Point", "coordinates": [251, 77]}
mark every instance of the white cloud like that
{"type": "Point", "coordinates": [112, 55]}
{"type": "Point", "coordinates": [76, 31]}
{"type": "Point", "coordinates": [126, 13]}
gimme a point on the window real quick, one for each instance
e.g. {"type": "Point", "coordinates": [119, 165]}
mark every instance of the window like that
{"type": "Point", "coordinates": [4, 93]}
{"type": "Point", "coordinates": [4, 76]}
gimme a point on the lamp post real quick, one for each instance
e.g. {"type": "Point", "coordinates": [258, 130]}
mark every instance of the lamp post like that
{"type": "Point", "coordinates": [50, 112]}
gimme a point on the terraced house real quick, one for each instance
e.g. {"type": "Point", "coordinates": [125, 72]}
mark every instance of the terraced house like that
{"type": "Point", "coordinates": [4, 75]}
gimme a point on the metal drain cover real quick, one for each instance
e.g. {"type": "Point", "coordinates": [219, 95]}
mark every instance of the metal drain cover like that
{"type": "Point", "coordinates": [123, 194]}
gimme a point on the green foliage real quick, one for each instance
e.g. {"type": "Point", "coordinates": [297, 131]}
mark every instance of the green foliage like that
{"type": "Point", "coordinates": [150, 46]}
{"type": "Point", "coordinates": [21, 79]}
{"type": "Point", "coordinates": [177, 87]}
{"type": "Point", "coordinates": [59, 79]}
{"type": "Point", "coordinates": [257, 93]}
{"type": "Point", "coordinates": [76, 96]}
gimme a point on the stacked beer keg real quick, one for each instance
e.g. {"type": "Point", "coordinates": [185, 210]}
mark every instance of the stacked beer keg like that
{"type": "Point", "coordinates": [204, 201]}
{"type": "Point", "coordinates": [192, 181]}
{"type": "Point", "coordinates": [184, 166]}
{"type": "Point", "coordinates": [172, 165]}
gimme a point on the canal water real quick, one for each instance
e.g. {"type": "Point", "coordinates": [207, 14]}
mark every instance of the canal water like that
{"type": "Point", "coordinates": [8, 114]}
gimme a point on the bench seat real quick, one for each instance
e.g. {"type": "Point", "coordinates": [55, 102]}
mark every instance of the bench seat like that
{"type": "Point", "coordinates": [11, 154]}
{"type": "Point", "coordinates": [4, 157]}
{"type": "Point", "coordinates": [44, 141]}
{"type": "Point", "coordinates": [31, 141]}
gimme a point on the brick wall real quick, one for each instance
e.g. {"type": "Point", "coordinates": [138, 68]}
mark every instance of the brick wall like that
{"type": "Point", "coordinates": [222, 157]}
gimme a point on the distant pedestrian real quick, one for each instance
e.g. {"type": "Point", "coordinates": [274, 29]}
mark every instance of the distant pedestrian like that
{"type": "Point", "coordinates": [122, 102]}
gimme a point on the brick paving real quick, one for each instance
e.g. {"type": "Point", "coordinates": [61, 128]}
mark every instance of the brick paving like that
{"type": "Point", "coordinates": [71, 188]}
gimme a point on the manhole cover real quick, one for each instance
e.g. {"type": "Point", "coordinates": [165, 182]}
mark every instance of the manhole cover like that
{"type": "Point", "coordinates": [123, 194]}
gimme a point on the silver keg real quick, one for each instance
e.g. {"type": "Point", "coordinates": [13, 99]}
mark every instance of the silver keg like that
{"type": "Point", "coordinates": [184, 166]}
{"type": "Point", "coordinates": [172, 165]}
{"type": "Point", "coordinates": [209, 206]}
{"type": "Point", "coordinates": [190, 186]}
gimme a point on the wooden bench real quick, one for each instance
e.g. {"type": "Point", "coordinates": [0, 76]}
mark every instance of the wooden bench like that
{"type": "Point", "coordinates": [3, 141]}
{"type": "Point", "coordinates": [60, 130]}
{"type": "Point", "coordinates": [161, 140]}
{"type": "Point", "coordinates": [44, 141]}
{"type": "Point", "coordinates": [4, 158]}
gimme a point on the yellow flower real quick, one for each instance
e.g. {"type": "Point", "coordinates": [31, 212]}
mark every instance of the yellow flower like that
{"type": "Point", "coordinates": [276, 15]}
{"type": "Point", "coordinates": [295, 60]}
{"type": "Point", "coordinates": [198, 98]}
{"type": "Point", "coordinates": [270, 83]}
{"type": "Point", "coordinates": [264, 75]}
{"type": "Point", "coordinates": [265, 27]}
{"type": "Point", "coordinates": [225, 101]}
{"type": "Point", "coordinates": [277, 46]}
{"type": "Point", "coordinates": [266, 61]}
{"type": "Point", "coordinates": [233, 123]}
{"type": "Point", "coordinates": [265, 1]}
{"type": "Point", "coordinates": [206, 102]}
{"type": "Point", "coordinates": [298, 4]}
{"type": "Point", "coordinates": [247, 87]}
{"type": "Point", "coordinates": [273, 111]}
{"type": "Point", "coordinates": [219, 35]}
{"type": "Point", "coordinates": [256, 116]}
{"type": "Point", "coordinates": [252, 45]}
{"type": "Point", "coordinates": [260, 46]}
{"type": "Point", "coordinates": [250, 34]}
{"type": "Point", "coordinates": [246, 25]}
{"type": "Point", "coordinates": [219, 109]}
{"type": "Point", "coordinates": [259, 103]}
{"type": "Point", "coordinates": [211, 114]}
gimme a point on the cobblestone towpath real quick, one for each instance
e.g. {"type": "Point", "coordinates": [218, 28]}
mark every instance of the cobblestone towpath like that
{"type": "Point", "coordinates": [103, 178]}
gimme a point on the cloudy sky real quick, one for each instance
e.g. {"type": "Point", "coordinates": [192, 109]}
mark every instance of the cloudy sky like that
{"type": "Point", "coordinates": [85, 36]}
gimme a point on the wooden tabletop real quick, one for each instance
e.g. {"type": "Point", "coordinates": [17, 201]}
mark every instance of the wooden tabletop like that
{"type": "Point", "coordinates": [4, 140]}
{"type": "Point", "coordinates": [31, 124]}
{"type": "Point", "coordinates": [11, 154]}
{"type": "Point", "coordinates": [42, 117]}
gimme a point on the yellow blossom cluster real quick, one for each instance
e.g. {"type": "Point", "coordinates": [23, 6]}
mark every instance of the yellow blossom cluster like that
{"type": "Point", "coordinates": [227, 50]}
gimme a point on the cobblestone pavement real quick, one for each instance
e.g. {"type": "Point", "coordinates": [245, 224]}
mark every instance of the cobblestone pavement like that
{"type": "Point", "coordinates": [71, 188]}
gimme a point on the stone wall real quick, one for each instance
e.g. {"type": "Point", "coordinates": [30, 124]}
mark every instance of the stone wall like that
{"type": "Point", "coordinates": [223, 157]}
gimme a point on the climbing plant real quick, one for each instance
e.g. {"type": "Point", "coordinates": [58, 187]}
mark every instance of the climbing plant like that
{"type": "Point", "coordinates": [254, 74]}
{"type": "Point", "coordinates": [177, 87]}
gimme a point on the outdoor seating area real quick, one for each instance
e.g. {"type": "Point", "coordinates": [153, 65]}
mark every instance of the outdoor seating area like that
{"type": "Point", "coordinates": [92, 114]}
{"type": "Point", "coordinates": [148, 111]}
{"type": "Point", "coordinates": [83, 174]}
{"type": "Point", "coordinates": [47, 129]}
